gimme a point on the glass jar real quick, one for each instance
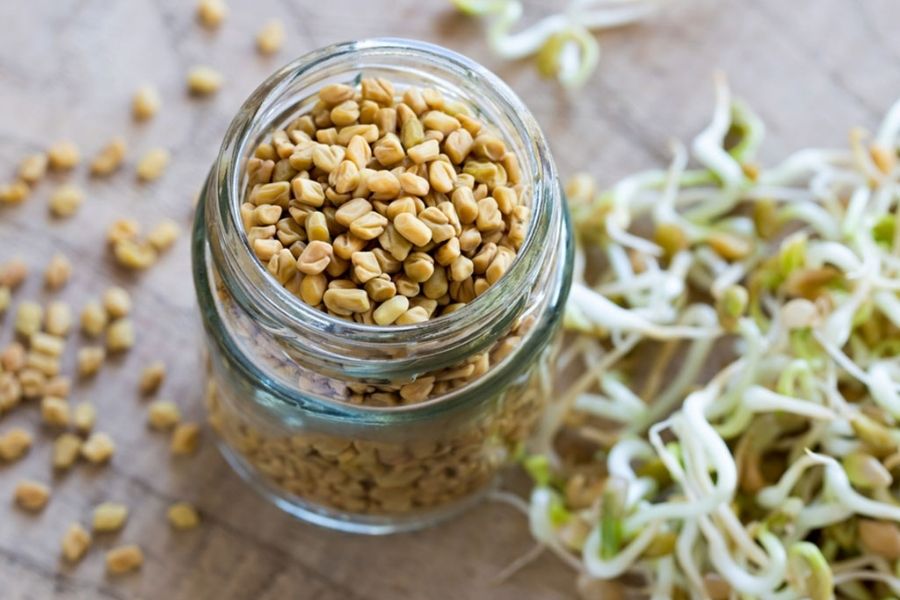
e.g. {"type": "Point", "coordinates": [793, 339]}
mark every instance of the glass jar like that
{"type": "Point", "coordinates": [366, 428]}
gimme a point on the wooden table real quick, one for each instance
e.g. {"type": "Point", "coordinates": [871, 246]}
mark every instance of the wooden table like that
{"type": "Point", "coordinates": [812, 68]}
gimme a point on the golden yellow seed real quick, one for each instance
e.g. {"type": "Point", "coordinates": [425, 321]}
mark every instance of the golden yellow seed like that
{"type": "Point", "coordinates": [441, 176]}
{"type": "Point", "coordinates": [489, 216]}
{"type": "Point", "coordinates": [58, 319]}
{"type": "Point", "coordinates": [84, 416]}
{"type": "Point", "coordinates": [335, 93]}
{"type": "Point", "coordinates": [880, 537]}
{"type": "Point", "coordinates": [48, 365]}
{"type": "Point", "coordinates": [414, 315]}
{"type": "Point", "coordinates": [98, 448]}
{"type": "Point", "coordinates": [93, 318]}
{"type": "Point", "coordinates": [66, 449]}
{"type": "Point", "coordinates": [317, 228]}
{"type": "Point", "coordinates": [461, 268]}
{"type": "Point", "coordinates": [270, 38]}
{"type": "Point", "coordinates": [32, 383]}
{"type": "Point", "coordinates": [75, 542]}
{"type": "Point", "coordinates": [163, 414]}
{"type": "Point", "coordinates": [55, 411]}
{"type": "Point", "coordinates": [145, 103]}
{"type": "Point", "coordinates": [124, 559]}
{"type": "Point", "coordinates": [345, 178]}
{"type": "Point", "coordinates": [499, 265]}
{"type": "Point", "coordinates": [110, 158]}
{"type": "Point", "coordinates": [425, 152]}
{"type": "Point", "coordinates": [185, 438]}
{"type": "Point", "coordinates": [109, 516]}
{"type": "Point", "coordinates": [164, 234]}
{"type": "Point", "coordinates": [116, 302]}
{"type": "Point", "coordinates": [378, 90]}
{"type": "Point", "coordinates": [152, 164]}
{"type": "Point", "coordinates": [133, 254]}
{"type": "Point", "coordinates": [45, 343]}
{"type": "Point", "coordinates": [66, 200]}
{"type": "Point", "coordinates": [120, 335]}
{"type": "Point", "coordinates": [63, 155]}
{"type": "Point", "coordinates": [33, 168]}
{"type": "Point", "coordinates": [58, 386]}
{"type": "Point", "coordinates": [28, 318]}
{"type": "Point", "coordinates": [346, 244]}
{"type": "Point", "coordinates": [14, 444]}
{"type": "Point", "coordinates": [457, 145]}
{"type": "Point", "coordinates": [418, 266]}
{"type": "Point", "coordinates": [31, 495]}
{"type": "Point", "coordinates": [211, 13]}
{"type": "Point", "coordinates": [122, 229]}
{"type": "Point", "coordinates": [266, 249]}
{"type": "Point", "coordinates": [12, 359]}
{"type": "Point", "coordinates": [203, 80]}
{"type": "Point", "coordinates": [390, 310]}
{"type": "Point", "coordinates": [412, 229]}
{"type": "Point", "coordinates": [346, 301]}
{"type": "Point", "coordinates": [183, 515]}
{"type": "Point", "coordinates": [90, 359]}
{"type": "Point", "coordinates": [730, 246]}
{"type": "Point", "coordinates": [312, 289]}
{"type": "Point", "coordinates": [327, 158]}
{"type": "Point", "coordinates": [13, 273]}
{"type": "Point", "coordinates": [14, 193]}
{"type": "Point", "coordinates": [58, 271]}
{"type": "Point", "coordinates": [369, 226]}
{"type": "Point", "coordinates": [315, 257]}
{"type": "Point", "coordinates": [365, 266]}
{"type": "Point", "coordinates": [489, 147]}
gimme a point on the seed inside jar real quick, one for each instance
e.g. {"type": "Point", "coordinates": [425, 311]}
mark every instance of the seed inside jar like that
{"type": "Point", "coordinates": [375, 195]}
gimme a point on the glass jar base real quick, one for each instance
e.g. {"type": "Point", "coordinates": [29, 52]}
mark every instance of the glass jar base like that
{"type": "Point", "coordinates": [365, 524]}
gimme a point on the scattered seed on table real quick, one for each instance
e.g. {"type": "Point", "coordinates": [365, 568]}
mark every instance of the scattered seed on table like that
{"type": "Point", "coordinates": [84, 416]}
{"type": "Point", "coordinates": [33, 168]}
{"type": "Point", "coordinates": [109, 516]}
{"type": "Point", "coordinates": [98, 448]}
{"type": "Point", "coordinates": [164, 234]}
{"type": "Point", "coordinates": [75, 542]}
{"type": "Point", "coordinates": [5, 298]}
{"type": "Point", "coordinates": [66, 449]}
{"type": "Point", "coordinates": [152, 164]}
{"type": "Point", "coordinates": [122, 229]}
{"type": "Point", "coordinates": [58, 320]}
{"type": "Point", "coordinates": [145, 103]}
{"type": "Point", "coordinates": [117, 302]}
{"type": "Point", "coordinates": [271, 37]}
{"type": "Point", "coordinates": [124, 559]}
{"type": "Point", "coordinates": [163, 414]}
{"type": "Point", "coordinates": [63, 155]}
{"type": "Point", "coordinates": [211, 13]}
{"type": "Point", "coordinates": [14, 444]}
{"type": "Point", "coordinates": [28, 318]}
{"type": "Point", "coordinates": [14, 193]}
{"type": "Point", "coordinates": [90, 359]}
{"type": "Point", "coordinates": [58, 271]}
{"type": "Point", "coordinates": [185, 438]}
{"type": "Point", "coordinates": [32, 495]}
{"type": "Point", "coordinates": [134, 254]}
{"type": "Point", "coordinates": [110, 158]}
{"type": "Point", "coordinates": [93, 318]}
{"type": "Point", "coordinates": [203, 81]}
{"type": "Point", "coordinates": [152, 376]}
{"type": "Point", "coordinates": [120, 335]}
{"type": "Point", "coordinates": [13, 273]}
{"type": "Point", "coordinates": [66, 200]}
{"type": "Point", "coordinates": [183, 515]}
{"type": "Point", "coordinates": [59, 386]}
{"type": "Point", "coordinates": [55, 411]}
{"type": "Point", "coordinates": [49, 344]}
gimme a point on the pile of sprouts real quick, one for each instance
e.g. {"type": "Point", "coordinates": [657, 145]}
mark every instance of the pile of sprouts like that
{"type": "Point", "coordinates": [734, 433]}
{"type": "Point", "coordinates": [563, 42]}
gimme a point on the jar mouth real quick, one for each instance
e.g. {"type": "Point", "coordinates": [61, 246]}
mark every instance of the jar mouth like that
{"type": "Point", "coordinates": [265, 296]}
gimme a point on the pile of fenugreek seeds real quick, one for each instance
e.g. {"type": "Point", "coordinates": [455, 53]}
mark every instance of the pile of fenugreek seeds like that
{"type": "Point", "coordinates": [32, 364]}
{"type": "Point", "coordinates": [385, 208]}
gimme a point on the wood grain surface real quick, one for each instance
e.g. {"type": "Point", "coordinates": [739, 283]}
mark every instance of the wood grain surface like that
{"type": "Point", "coordinates": [812, 68]}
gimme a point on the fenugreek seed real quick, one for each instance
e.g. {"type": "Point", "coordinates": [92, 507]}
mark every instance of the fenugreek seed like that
{"type": "Point", "coordinates": [424, 152]}
{"type": "Point", "coordinates": [124, 559]}
{"type": "Point", "coordinates": [164, 234]}
{"type": "Point", "coordinates": [436, 285]}
{"type": "Point", "coordinates": [499, 265]}
{"type": "Point", "coordinates": [120, 335]}
{"type": "Point", "coordinates": [447, 253]}
{"type": "Point", "coordinates": [84, 416]}
{"type": "Point", "coordinates": [465, 205]}
{"type": "Point", "coordinates": [116, 302]}
{"type": "Point", "coordinates": [411, 183]}
{"type": "Point", "coordinates": [440, 121]}
{"type": "Point", "coordinates": [13, 273]}
{"type": "Point", "coordinates": [33, 168]}
{"type": "Point", "coordinates": [390, 310]}
{"type": "Point", "coordinates": [412, 229]}
{"type": "Point", "coordinates": [282, 265]}
{"type": "Point", "coordinates": [378, 90]}
{"type": "Point", "coordinates": [55, 411]}
{"type": "Point", "coordinates": [58, 271]}
{"type": "Point", "coordinates": [58, 386]}
{"type": "Point", "coordinates": [308, 192]}
{"type": "Point", "coordinates": [428, 304]}
{"type": "Point", "coordinates": [122, 229]}
{"type": "Point", "coordinates": [488, 173]}
{"type": "Point", "coordinates": [28, 318]}
{"type": "Point", "coordinates": [48, 344]}
{"type": "Point", "coordinates": [485, 256]}
{"type": "Point", "coordinates": [506, 199]}
{"type": "Point", "coordinates": [98, 448]}
{"type": "Point", "coordinates": [93, 318]}
{"type": "Point", "coordinates": [442, 176]}
{"type": "Point", "coordinates": [489, 147]}
{"type": "Point", "coordinates": [413, 98]}
{"type": "Point", "coordinates": [352, 210]}
{"type": "Point", "coordinates": [277, 193]}
{"type": "Point", "coordinates": [14, 193]}
{"type": "Point", "coordinates": [12, 359]}
{"type": "Point", "coordinates": [31, 495]}
{"type": "Point", "coordinates": [345, 113]}
{"type": "Point", "coordinates": [335, 93]}
{"type": "Point", "coordinates": [365, 266]}
{"type": "Point", "coordinates": [145, 103]}
{"type": "Point", "coordinates": [66, 448]}
{"type": "Point", "coordinates": [457, 145]}
{"type": "Point", "coordinates": [369, 226]}
{"type": "Point", "coordinates": [511, 168]}
{"type": "Point", "coordinates": [433, 98]}
{"type": "Point", "coordinates": [481, 286]}
{"type": "Point", "coordinates": [327, 158]}
{"type": "Point", "coordinates": [163, 414]}
{"type": "Point", "coordinates": [880, 537]}
{"type": "Point", "coordinates": [439, 224]}
{"type": "Point", "coordinates": [418, 266]}
{"type": "Point", "coordinates": [386, 120]}
{"type": "Point", "coordinates": [109, 159]}
{"type": "Point", "coordinates": [383, 185]}
{"type": "Point", "coordinates": [414, 315]}
{"type": "Point", "coordinates": [406, 286]}
{"type": "Point", "coordinates": [405, 204]}
{"type": "Point", "coordinates": [369, 133]}
{"type": "Point", "coordinates": [5, 298]}
{"type": "Point", "coordinates": [182, 515]}
{"type": "Point", "coordinates": [368, 110]}
{"type": "Point", "coordinates": [211, 13]}
{"type": "Point", "coordinates": [312, 289]}
{"type": "Point", "coordinates": [388, 151]}
{"type": "Point", "coordinates": [66, 200]}
{"type": "Point", "coordinates": [462, 291]}
{"type": "Point", "coordinates": [133, 254]}
{"type": "Point", "coordinates": [346, 301]}
{"type": "Point", "coordinates": [90, 359]}
{"type": "Point", "coordinates": [32, 383]}
{"type": "Point", "coordinates": [203, 81]}
{"type": "Point", "coordinates": [185, 439]}
{"type": "Point", "coordinates": [315, 257]}
{"type": "Point", "coordinates": [152, 377]}
{"type": "Point", "coordinates": [63, 155]}
{"type": "Point", "coordinates": [58, 319]}
{"type": "Point", "coordinates": [489, 216]}
{"type": "Point", "coordinates": [75, 542]}
{"type": "Point", "coordinates": [10, 392]}
{"type": "Point", "coordinates": [14, 444]}
{"type": "Point", "coordinates": [152, 164]}
{"type": "Point", "coordinates": [381, 288]}
{"type": "Point", "coordinates": [266, 249]}
{"type": "Point", "coordinates": [730, 246]}
{"type": "Point", "coordinates": [461, 269]}
{"type": "Point", "coordinates": [270, 38]}
{"type": "Point", "coordinates": [48, 365]}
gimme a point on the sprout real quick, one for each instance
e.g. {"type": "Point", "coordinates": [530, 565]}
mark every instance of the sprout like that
{"type": "Point", "coordinates": [809, 572]}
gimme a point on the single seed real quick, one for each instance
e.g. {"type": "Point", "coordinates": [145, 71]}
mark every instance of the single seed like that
{"type": "Point", "coordinates": [66, 200]}
{"type": "Point", "coordinates": [124, 559]}
{"type": "Point", "coordinates": [203, 81]}
{"type": "Point", "coordinates": [63, 155]}
{"type": "Point", "coordinates": [58, 319]}
{"type": "Point", "coordinates": [317, 228]}
{"type": "Point", "coordinates": [391, 310]}
{"type": "Point", "coordinates": [109, 159]}
{"type": "Point", "coordinates": [58, 386]}
{"type": "Point", "coordinates": [211, 13]}
{"type": "Point", "coordinates": [152, 165]}
{"type": "Point", "coordinates": [28, 318]}
{"type": "Point", "coordinates": [116, 302]}
{"type": "Point", "coordinates": [163, 414]}
{"type": "Point", "coordinates": [369, 226]}
{"type": "Point", "coordinates": [185, 439]}
{"type": "Point", "coordinates": [335, 93]}
{"type": "Point", "coordinates": [145, 103]}
{"type": "Point", "coordinates": [346, 301]}
{"type": "Point", "coordinates": [183, 515]}
{"type": "Point", "coordinates": [33, 168]}
{"type": "Point", "coordinates": [312, 289]}
{"type": "Point", "coordinates": [84, 416]}
{"type": "Point", "coordinates": [352, 210]}
{"type": "Point", "coordinates": [66, 449]}
{"type": "Point", "coordinates": [45, 343]}
{"type": "Point", "coordinates": [457, 145]}
{"type": "Point", "coordinates": [418, 266]}
{"type": "Point", "coordinates": [109, 516]}
{"type": "Point", "coordinates": [133, 254]}
{"type": "Point", "coordinates": [164, 234]}
{"type": "Point", "coordinates": [442, 176]}
{"type": "Point", "coordinates": [122, 229]}
{"type": "Point", "coordinates": [424, 152]}
{"type": "Point", "coordinates": [315, 257]}
{"type": "Point", "coordinates": [55, 411]}
{"type": "Point", "coordinates": [90, 359]}
{"type": "Point", "coordinates": [75, 542]}
{"type": "Point", "coordinates": [58, 271]}
{"type": "Point", "coordinates": [365, 266]}
{"type": "Point", "coordinates": [31, 495]}
{"type": "Point", "coordinates": [14, 444]}
{"type": "Point", "coordinates": [120, 335]}
{"type": "Point", "coordinates": [93, 318]}
{"type": "Point", "coordinates": [730, 246]}
{"type": "Point", "coordinates": [378, 90]}
{"type": "Point", "coordinates": [14, 193]}
{"type": "Point", "coordinates": [412, 229]}
{"type": "Point", "coordinates": [414, 315]}
{"type": "Point", "coordinates": [489, 147]}
{"type": "Point", "coordinates": [98, 448]}
{"type": "Point", "coordinates": [13, 273]}
{"type": "Point", "coordinates": [270, 38]}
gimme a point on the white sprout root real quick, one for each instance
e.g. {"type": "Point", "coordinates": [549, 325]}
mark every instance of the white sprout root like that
{"type": "Point", "coordinates": [565, 47]}
{"type": "Point", "coordinates": [741, 348]}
